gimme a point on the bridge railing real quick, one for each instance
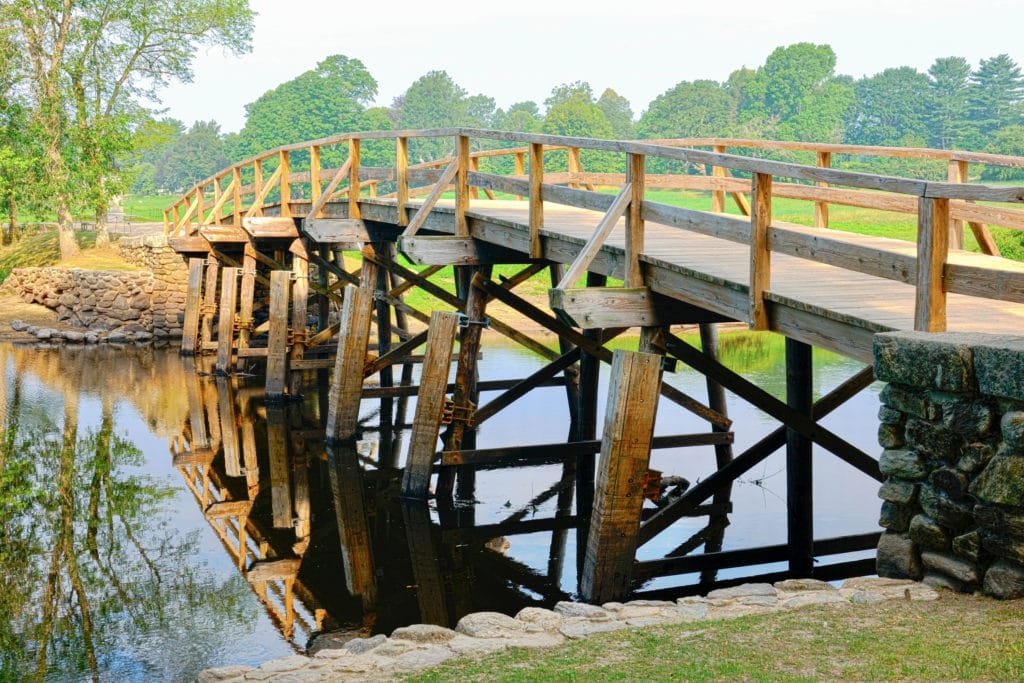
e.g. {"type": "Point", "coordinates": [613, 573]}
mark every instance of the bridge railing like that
{"type": "Point", "coordinates": [282, 178]}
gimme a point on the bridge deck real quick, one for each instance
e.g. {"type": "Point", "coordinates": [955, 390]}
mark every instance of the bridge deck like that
{"type": "Point", "coordinates": [825, 305]}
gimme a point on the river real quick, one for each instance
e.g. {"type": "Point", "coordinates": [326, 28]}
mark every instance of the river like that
{"type": "Point", "coordinates": [123, 473]}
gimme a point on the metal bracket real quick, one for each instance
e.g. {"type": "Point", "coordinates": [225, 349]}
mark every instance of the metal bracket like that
{"type": "Point", "coordinates": [297, 337]}
{"type": "Point", "coordinates": [465, 322]}
{"type": "Point", "coordinates": [452, 413]}
{"type": "Point", "coordinates": [243, 324]}
{"type": "Point", "coordinates": [652, 485]}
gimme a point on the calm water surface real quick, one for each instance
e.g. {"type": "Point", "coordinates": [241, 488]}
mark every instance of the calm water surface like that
{"type": "Point", "coordinates": [158, 521]}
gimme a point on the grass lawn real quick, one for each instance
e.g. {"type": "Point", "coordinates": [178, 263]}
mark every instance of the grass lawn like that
{"type": "Point", "coordinates": [958, 637]}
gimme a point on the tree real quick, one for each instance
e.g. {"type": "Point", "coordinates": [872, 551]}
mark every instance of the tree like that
{"type": "Point", "coordinates": [995, 95]}
{"type": "Point", "coordinates": [577, 115]}
{"type": "Point", "coordinates": [327, 100]}
{"type": "Point", "coordinates": [796, 87]}
{"type": "Point", "coordinates": [949, 81]}
{"type": "Point", "coordinates": [521, 117]}
{"type": "Point", "coordinates": [567, 91]}
{"type": "Point", "coordinates": [690, 109]}
{"type": "Point", "coordinates": [90, 62]}
{"type": "Point", "coordinates": [435, 100]}
{"type": "Point", "coordinates": [196, 155]}
{"type": "Point", "coordinates": [1008, 140]}
{"type": "Point", "coordinates": [891, 107]}
{"type": "Point", "coordinates": [17, 153]}
{"type": "Point", "coordinates": [151, 139]}
{"type": "Point", "coordinates": [618, 112]}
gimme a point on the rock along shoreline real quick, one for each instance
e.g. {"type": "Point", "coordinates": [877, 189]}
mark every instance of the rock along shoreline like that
{"type": "Point", "coordinates": [421, 646]}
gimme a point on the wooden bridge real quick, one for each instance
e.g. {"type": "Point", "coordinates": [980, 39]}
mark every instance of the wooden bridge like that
{"type": "Point", "coordinates": [265, 242]}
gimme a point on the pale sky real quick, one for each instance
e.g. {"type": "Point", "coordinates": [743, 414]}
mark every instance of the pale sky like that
{"type": "Point", "coordinates": [514, 51]}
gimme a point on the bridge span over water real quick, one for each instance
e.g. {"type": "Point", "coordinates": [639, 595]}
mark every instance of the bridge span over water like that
{"type": "Point", "coordinates": [267, 239]}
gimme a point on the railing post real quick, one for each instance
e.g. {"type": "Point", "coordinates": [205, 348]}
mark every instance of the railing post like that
{"type": "Point", "coordinates": [216, 201]}
{"type": "Point", "coordinates": [353, 179]}
{"type": "Point", "coordinates": [760, 256]}
{"type": "Point", "coordinates": [956, 172]}
{"type": "Point", "coordinates": [932, 253]}
{"type": "Point", "coordinates": [718, 196]}
{"type": "Point", "coordinates": [402, 178]}
{"type": "Point", "coordinates": [635, 171]}
{"type": "Point", "coordinates": [236, 196]}
{"type": "Point", "coordinates": [821, 207]}
{"type": "Point", "coordinates": [200, 209]}
{"type": "Point", "coordinates": [286, 188]}
{"type": "Point", "coordinates": [520, 167]}
{"type": "Point", "coordinates": [536, 200]}
{"type": "Point", "coordinates": [314, 173]}
{"type": "Point", "coordinates": [574, 165]}
{"type": "Point", "coordinates": [462, 187]}
{"type": "Point", "coordinates": [257, 184]}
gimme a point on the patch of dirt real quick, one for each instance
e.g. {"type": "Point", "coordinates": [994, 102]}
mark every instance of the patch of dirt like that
{"type": "Point", "coordinates": [13, 308]}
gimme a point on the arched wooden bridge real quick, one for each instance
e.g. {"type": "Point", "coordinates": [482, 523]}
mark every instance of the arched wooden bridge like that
{"type": "Point", "coordinates": [265, 241]}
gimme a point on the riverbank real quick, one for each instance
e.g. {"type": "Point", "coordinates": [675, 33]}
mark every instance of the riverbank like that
{"type": "Point", "coordinates": [869, 629]}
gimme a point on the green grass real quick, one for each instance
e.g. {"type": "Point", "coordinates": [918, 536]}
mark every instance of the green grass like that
{"type": "Point", "coordinates": [894, 640]}
{"type": "Point", "coordinates": [147, 207]}
{"type": "Point", "coordinates": [42, 249]}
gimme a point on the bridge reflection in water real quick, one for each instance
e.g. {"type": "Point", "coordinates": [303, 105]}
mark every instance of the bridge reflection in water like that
{"type": "Point", "coordinates": [286, 507]}
{"type": "Point", "coordinates": [326, 543]}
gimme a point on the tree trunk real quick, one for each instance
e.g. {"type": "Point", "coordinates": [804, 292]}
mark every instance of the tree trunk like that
{"type": "Point", "coordinates": [58, 174]}
{"type": "Point", "coordinates": [11, 227]}
{"type": "Point", "coordinates": [102, 232]}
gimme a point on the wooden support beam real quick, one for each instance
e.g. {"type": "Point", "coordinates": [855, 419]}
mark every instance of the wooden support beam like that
{"type": "Point", "coordinates": [588, 345]}
{"type": "Point", "coordinates": [209, 302]}
{"type": "Point", "coordinates": [270, 227]}
{"type": "Point", "coordinates": [193, 301]}
{"type": "Point", "coordinates": [273, 570]}
{"type": "Point", "coordinates": [426, 570]}
{"type": "Point", "coordinates": [956, 173]}
{"type": "Point", "coordinates": [280, 479]}
{"type": "Point", "coordinates": [285, 170]}
{"type": "Point", "coordinates": [335, 230]}
{"type": "Point", "coordinates": [536, 379]}
{"type": "Point", "coordinates": [440, 250]}
{"type": "Point", "coordinates": [277, 340]}
{"type": "Point", "coordinates": [799, 462]}
{"type": "Point", "coordinates": [429, 404]}
{"type": "Point", "coordinates": [347, 379]}
{"type": "Point", "coordinates": [226, 321]}
{"type": "Point", "coordinates": [536, 199]}
{"type": "Point", "coordinates": [300, 303]}
{"type": "Point", "coordinates": [760, 256]}
{"type": "Point", "coordinates": [515, 456]}
{"type": "Point", "coordinates": [715, 536]}
{"type": "Point", "coordinates": [247, 293]}
{"type": "Point", "coordinates": [599, 307]}
{"type": "Point", "coordinates": [635, 170]}
{"type": "Point", "coordinates": [932, 255]}
{"type": "Point", "coordinates": [625, 454]}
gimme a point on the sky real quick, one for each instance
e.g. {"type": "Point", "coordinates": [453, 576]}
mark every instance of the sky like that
{"type": "Point", "coordinates": [515, 51]}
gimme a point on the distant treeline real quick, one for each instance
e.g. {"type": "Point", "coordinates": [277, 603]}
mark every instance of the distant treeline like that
{"type": "Point", "coordinates": [794, 95]}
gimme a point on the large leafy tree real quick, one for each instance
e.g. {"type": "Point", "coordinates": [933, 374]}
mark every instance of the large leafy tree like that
{"type": "Point", "coordinates": [690, 109]}
{"type": "Point", "coordinates": [796, 94]}
{"type": "Point", "coordinates": [572, 111]}
{"type": "Point", "coordinates": [435, 100]}
{"type": "Point", "coordinates": [891, 108]}
{"type": "Point", "coordinates": [949, 81]}
{"type": "Point", "coordinates": [90, 63]}
{"type": "Point", "coordinates": [327, 100]}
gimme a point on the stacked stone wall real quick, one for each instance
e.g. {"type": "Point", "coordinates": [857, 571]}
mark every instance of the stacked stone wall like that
{"type": "Point", "coordinates": [112, 304]}
{"type": "Point", "coordinates": [952, 430]}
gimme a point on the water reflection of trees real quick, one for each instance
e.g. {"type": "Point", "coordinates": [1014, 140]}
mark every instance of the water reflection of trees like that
{"type": "Point", "coordinates": [93, 579]}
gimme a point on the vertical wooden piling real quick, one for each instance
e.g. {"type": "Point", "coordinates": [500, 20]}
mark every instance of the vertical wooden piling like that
{"type": "Point", "coordinates": [347, 380]}
{"type": "Point", "coordinates": [723, 452]}
{"type": "Point", "coordinates": [277, 338]}
{"type": "Point", "coordinates": [589, 381]}
{"type": "Point", "coordinates": [353, 531]}
{"type": "Point", "coordinates": [247, 292]}
{"type": "Point", "coordinates": [625, 454]}
{"type": "Point", "coordinates": [799, 480]}
{"type": "Point", "coordinates": [193, 301]}
{"type": "Point", "coordinates": [429, 404]}
{"type": "Point", "coordinates": [426, 568]}
{"type": "Point", "coordinates": [280, 481]}
{"type": "Point", "coordinates": [466, 396]}
{"type": "Point", "coordinates": [300, 297]}
{"type": "Point", "coordinates": [228, 427]}
{"type": "Point", "coordinates": [226, 321]}
{"type": "Point", "coordinates": [209, 303]}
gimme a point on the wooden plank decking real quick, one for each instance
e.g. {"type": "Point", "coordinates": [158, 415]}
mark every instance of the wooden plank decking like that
{"type": "Point", "coordinates": [824, 305]}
